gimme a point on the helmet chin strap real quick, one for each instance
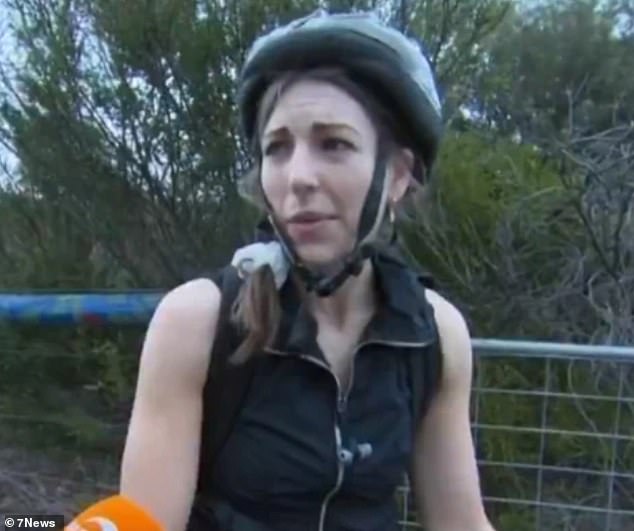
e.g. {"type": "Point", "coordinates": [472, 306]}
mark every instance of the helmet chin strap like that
{"type": "Point", "coordinates": [325, 282]}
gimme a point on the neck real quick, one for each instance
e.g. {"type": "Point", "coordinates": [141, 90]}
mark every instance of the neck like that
{"type": "Point", "coordinates": [355, 296]}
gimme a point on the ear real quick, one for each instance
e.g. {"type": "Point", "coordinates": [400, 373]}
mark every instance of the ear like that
{"type": "Point", "coordinates": [401, 175]}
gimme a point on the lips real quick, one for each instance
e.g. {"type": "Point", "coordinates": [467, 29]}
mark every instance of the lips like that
{"type": "Point", "coordinates": [309, 217]}
{"type": "Point", "coordinates": [306, 227]}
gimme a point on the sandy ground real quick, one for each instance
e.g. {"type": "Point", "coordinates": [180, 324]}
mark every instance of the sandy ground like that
{"type": "Point", "coordinates": [37, 484]}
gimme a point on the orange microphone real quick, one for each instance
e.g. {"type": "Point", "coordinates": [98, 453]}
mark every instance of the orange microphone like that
{"type": "Point", "coordinates": [116, 513]}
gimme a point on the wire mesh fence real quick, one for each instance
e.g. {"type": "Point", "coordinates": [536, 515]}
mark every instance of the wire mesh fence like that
{"type": "Point", "coordinates": [554, 432]}
{"type": "Point", "coordinates": [553, 427]}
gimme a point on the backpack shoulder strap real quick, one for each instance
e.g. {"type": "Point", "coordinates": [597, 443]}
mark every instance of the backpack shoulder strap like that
{"type": "Point", "coordinates": [226, 385]}
{"type": "Point", "coordinates": [426, 369]}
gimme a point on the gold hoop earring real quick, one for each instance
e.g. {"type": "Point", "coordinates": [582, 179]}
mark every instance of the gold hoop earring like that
{"type": "Point", "coordinates": [391, 213]}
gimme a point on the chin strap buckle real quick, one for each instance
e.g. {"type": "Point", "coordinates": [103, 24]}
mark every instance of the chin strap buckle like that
{"type": "Point", "coordinates": [353, 266]}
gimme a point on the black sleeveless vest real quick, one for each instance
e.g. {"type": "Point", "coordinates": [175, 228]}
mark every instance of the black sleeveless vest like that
{"type": "Point", "coordinates": [305, 455]}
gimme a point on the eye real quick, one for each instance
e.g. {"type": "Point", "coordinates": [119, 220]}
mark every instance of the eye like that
{"type": "Point", "coordinates": [336, 144]}
{"type": "Point", "coordinates": [273, 147]}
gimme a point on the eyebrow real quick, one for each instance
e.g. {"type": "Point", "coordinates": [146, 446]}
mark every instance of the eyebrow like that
{"type": "Point", "coordinates": [317, 126]}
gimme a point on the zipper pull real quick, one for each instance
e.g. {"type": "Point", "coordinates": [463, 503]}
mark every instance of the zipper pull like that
{"type": "Point", "coordinates": [342, 402]}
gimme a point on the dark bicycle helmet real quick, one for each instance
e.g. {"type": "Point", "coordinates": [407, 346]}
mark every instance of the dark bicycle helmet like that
{"type": "Point", "coordinates": [389, 64]}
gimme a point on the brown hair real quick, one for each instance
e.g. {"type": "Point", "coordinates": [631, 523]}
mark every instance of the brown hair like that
{"type": "Point", "coordinates": [257, 309]}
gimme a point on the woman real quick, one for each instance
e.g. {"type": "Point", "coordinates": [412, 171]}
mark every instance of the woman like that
{"type": "Point", "coordinates": [343, 118]}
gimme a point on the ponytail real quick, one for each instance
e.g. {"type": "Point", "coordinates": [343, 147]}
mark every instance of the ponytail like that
{"type": "Point", "coordinates": [257, 311]}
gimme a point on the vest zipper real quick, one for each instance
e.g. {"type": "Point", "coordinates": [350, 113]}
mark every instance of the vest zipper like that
{"type": "Point", "coordinates": [342, 403]}
{"type": "Point", "coordinates": [342, 400]}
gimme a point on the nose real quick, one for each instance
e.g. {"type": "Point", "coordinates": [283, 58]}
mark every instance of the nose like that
{"type": "Point", "coordinates": [302, 170]}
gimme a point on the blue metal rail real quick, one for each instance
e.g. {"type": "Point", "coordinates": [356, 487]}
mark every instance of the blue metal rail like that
{"type": "Point", "coordinates": [136, 308]}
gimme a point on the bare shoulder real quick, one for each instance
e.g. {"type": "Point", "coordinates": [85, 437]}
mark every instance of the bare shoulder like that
{"type": "Point", "coordinates": [454, 335]}
{"type": "Point", "coordinates": [193, 305]}
{"type": "Point", "coordinates": [195, 298]}
{"type": "Point", "coordinates": [181, 333]}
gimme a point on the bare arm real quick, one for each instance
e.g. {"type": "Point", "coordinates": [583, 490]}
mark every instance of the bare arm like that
{"type": "Point", "coordinates": [160, 460]}
{"type": "Point", "coordinates": [445, 474]}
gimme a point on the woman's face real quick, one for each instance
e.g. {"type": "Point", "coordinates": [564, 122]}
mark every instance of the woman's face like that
{"type": "Point", "coordinates": [319, 149]}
